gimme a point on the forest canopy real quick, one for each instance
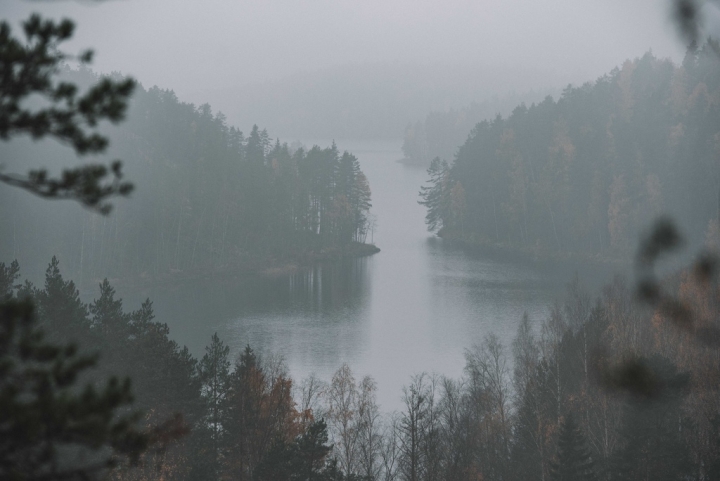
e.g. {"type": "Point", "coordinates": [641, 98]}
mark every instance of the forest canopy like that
{"type": "Point", "coordinates": [587, 172]}
{"type": "Point", "coordinates": [208, 197]}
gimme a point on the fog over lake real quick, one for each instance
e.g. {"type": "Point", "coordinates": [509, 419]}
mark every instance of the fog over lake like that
{"type": "Point", "coordinates": [361, 240]}
{"type": "Point", "coordinates": [414, 307]}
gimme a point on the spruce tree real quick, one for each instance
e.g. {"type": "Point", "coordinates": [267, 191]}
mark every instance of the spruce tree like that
{"type": "Point", "coordinates": [214, 370]}
{"type": "Point", "coordinates": [434, 197]}
{"type": "Point", "coordinates": [62, 314]}
{"type": "Point", "coordinates": [652, 439]}
{"type": "Point", "coordinates": [8, 276]}
{"type": "Point", "coordinates": [573, 462]}
{"type": "Point", "coordinates": [304, 459]}
{"type": "Point", "coordinates": [108, 316]}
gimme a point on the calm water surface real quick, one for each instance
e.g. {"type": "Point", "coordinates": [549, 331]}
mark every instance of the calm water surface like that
{"type": "Point", "coordinates": [413, 307]}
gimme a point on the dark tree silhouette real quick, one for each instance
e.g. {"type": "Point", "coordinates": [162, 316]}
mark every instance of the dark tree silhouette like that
{"type": "Point", "coordinates": [50, 429]}
{"type": "Point", "coordinates": [574, 462]}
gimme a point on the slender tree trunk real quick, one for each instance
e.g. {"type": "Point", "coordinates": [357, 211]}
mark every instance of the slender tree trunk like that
{"type": "Point", "coordinates": [158, 243]}
{"type": "Point", "coordinates": [177, 242]}
{"type": "Point", "coordinates": [197, 236]}
{"type": "Point", "coordinates": [82, 251]}
{"type": "Point", "coordinates": [557, 384]}
{"type": "Point", "coordinates": [93, 267]}
{"type": "Point", "coordinates": [222, 248]}
{"type": "Point", "coordinates": [15, 210]}
{"type": "Point", "coordinates": [552, 218]}
{"type": "Point", "coordinates": [212, 236]}
{"type": "Point", "coordinates": [102, 246]}
{"type": "Point", "coordinates": [497, 236]}
{"type": "Point", "coordinates": [542, 450]}
{"type": "Point", "coordinates": [585, 354]}
{"type": "Point", "coordinates": [115, 241]}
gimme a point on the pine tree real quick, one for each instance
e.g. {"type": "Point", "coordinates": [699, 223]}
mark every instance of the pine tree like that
{"type": "Point", "coordinates": [653, 446]}
{"type": "Point", "coordinates": [573, 462]}
{"type": "Point", "coordinates": [351, 199]}
{"type": "Point", "coordinates": [311, 451]}
{"type": "Point", "coordinates": [60, 310]}
{"type": "Point", "coordinates": [528, 447]}
{"type": "Point", "coordinates": [49, 428]}
{"type": "Point", "coordinates": [8, 276]}
{"type": "Point", "coordinates": [245, 399]}
{"type": "Point", "coordinates": [214, 370]}
{"type": "Point", "coordinates": [107, 314]}
{"type": "Point", "coordinates": [435, 197]}
{"type": "Point", "coordinates": [304, 459]}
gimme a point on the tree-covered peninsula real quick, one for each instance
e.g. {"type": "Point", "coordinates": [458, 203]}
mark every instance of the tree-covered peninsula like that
{"type": "Point", "coordinates": [586, 173]}
{"type": "Point", "coordinates": [208, 198]}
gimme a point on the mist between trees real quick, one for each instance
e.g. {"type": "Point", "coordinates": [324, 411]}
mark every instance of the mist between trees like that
{"type": "Point", "coordinates": [207, 198]}
{"type": "Point", "coordinates": [541, 408]}
{"type": "Point", "coordinates": [440, 133]}
{"type": "Point", "coordinates": [582, 175]}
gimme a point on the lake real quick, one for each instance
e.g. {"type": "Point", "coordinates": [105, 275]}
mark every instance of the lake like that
{"type": "Point", "coordinates": [414, 307]}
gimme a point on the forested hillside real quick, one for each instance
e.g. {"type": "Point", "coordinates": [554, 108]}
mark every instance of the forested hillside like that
{"type": "Point", "coordinates": [588, 172]}
{"type": "Point", "coordinates": [207, 197]}
{"type": "Point", "coordinates": [440, 133]}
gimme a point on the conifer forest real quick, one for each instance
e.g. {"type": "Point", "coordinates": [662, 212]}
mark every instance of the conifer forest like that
{"type": "Point", "coordinates": [360, 241]}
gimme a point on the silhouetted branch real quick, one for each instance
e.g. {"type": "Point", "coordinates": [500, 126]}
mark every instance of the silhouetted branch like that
{"type": "Point", "coordinates": [82, 184]}
{"type": "Point", "coordinates": [28, 70]}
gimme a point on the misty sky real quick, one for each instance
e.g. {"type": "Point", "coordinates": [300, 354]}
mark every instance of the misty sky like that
{"type": "Point", "coordinates": [197, 46]}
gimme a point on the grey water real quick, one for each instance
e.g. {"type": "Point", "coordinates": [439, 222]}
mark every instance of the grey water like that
{"type": "Point", "coordinates": [414, 307]}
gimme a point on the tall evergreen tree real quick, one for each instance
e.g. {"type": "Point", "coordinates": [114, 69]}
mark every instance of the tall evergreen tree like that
{"type": "Point", "coordinates": [50, 428]}
{"type": "Point", "coordinates": [653, 447]}
{"type": "Point", "coordinates": [214, 371]}
{"type": "Point", "coordinates": [573, 461]}
{"type": "Point", "coordinates": [8, 277]}
{"type": "Point", "coordinates": [304, 459]}
{"type": "Point", "coordinates": [435, 197]}
{"type": "Point", "coordinates": [63, 315]}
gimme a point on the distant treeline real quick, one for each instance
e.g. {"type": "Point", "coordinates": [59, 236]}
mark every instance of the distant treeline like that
{"type": "Point", "coordinates": [207, 196]}
{"type": "Point", "coordinates": [541, 410]}
{"type": "Point", "coordinates": [442, 132]}
{"type": "Point", "coordinates": [587, 172]}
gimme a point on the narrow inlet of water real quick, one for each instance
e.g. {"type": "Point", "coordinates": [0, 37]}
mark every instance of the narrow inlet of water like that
{"type": "Point", "coordinates": [414, 307]}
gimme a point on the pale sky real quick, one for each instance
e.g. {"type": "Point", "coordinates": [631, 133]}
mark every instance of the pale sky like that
{"type": "Point", "coordinates": [196, 46]}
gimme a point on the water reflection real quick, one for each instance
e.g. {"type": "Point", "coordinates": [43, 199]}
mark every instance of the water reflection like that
{"type": "Point", "coordinates": [330, 286]}
{"type": "Point", "coordinates": [480, 295]}
{"type": "Point", "coordinates": [312, 316]}
{"type": "Point", "coordinates": [321, 324]}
